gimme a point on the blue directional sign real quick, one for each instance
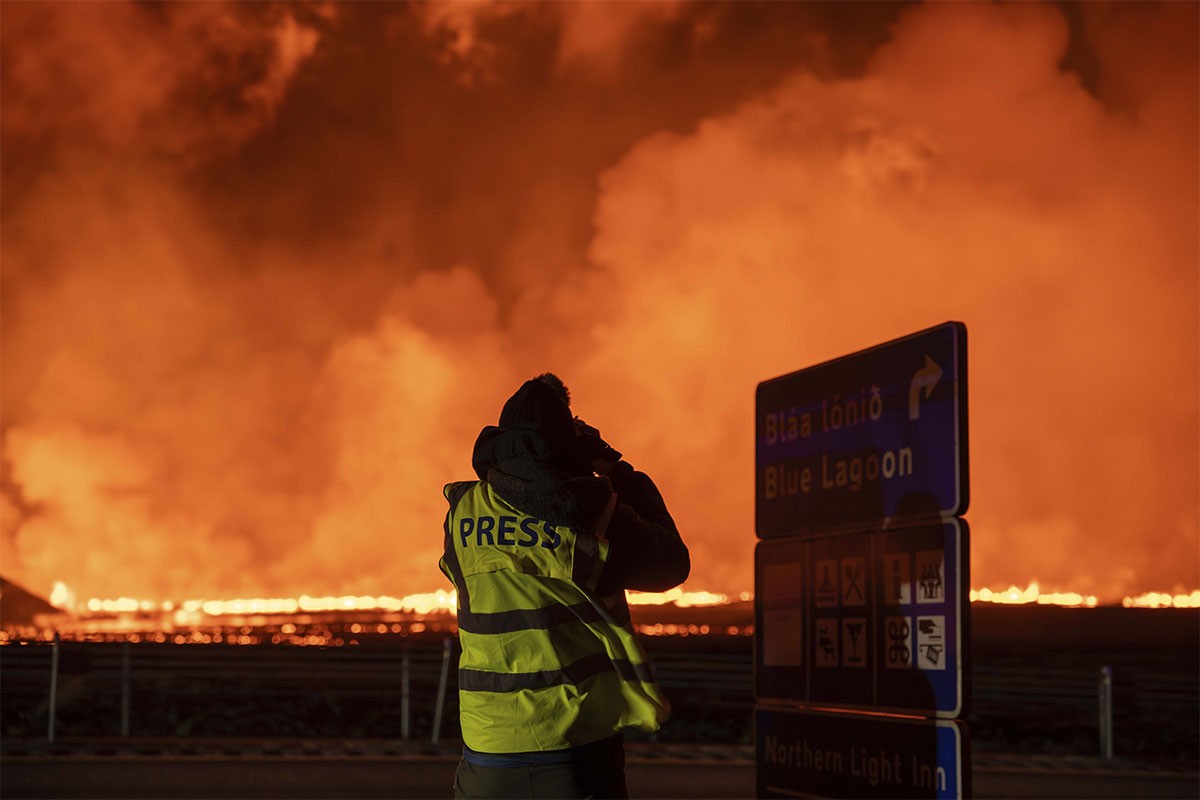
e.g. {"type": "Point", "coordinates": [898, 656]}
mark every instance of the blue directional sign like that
{"type": "Point", "coordinates": [824, 754]}
{"type": "Point", "coordinates": [878, 435]}
{"type": "Point", "coordinates": [875, 620]}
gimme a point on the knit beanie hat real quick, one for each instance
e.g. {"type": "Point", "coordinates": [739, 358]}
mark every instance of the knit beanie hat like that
{"type": "Point", "coordinates": [539, 407]}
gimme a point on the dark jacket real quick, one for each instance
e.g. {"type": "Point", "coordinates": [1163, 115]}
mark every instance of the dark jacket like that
{"type": "Point", "coordinates": [533, 461]}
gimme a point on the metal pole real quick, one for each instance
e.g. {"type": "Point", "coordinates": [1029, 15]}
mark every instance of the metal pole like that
{"type": "Point", "coordinates": [1106, 713]}
{"type": "Point", "coordinates": [405, 714]}
{"type": "Point", "coordinates": [441, 695]}
{"type": "Point", "coordinates": [53, 687]}
{"type": "Point", "coordinates": [126, 688]}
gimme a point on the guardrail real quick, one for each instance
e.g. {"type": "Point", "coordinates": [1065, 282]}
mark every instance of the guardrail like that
{"type": "Point", "coordinates": [1001, 687]}
{"type": "Point", "coordinates": [105, 671]}
{"type": "Point", "coordinates": [417, 676]}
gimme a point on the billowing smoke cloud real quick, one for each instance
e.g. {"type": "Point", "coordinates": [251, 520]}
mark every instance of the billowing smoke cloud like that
{"type": "Point", "coordinates": [964, 176]}
{"type": "Point", "coordinates": [592, 34]}
{"type": "Point", "coordinates": [268, 269]}
{"type": "Point", "coordinates": [180, 79]}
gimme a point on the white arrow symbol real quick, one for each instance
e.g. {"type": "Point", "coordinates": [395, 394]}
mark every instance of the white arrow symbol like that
{"type": "Point", "coordinates": [925, 378]}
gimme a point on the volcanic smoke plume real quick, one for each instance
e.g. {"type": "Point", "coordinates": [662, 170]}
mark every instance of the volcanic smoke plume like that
{"type": "Point", "coordinates": [267, 269]}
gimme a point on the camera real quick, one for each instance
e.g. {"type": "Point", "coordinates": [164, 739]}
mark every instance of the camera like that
{"type": "Point", "coordinates": [593, 445]}
{"type": "Point", "coordinates": [583, 429]}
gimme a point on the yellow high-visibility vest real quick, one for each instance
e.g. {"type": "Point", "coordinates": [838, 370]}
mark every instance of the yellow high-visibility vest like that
{"type": "Point", "coordinates": [546, 663]}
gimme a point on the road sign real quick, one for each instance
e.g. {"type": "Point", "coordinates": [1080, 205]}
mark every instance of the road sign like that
{"type": "Point", "coordinates": [876, 435]}
{"type": "Point", "coordinates": [866, 620]}
{"type": "Point", "coordinates": [825, 754]}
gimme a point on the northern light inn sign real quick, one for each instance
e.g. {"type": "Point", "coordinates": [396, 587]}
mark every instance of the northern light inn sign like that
{"type": "Point", "coordinates": [806, 753]}
{"type": "Point", "coordinates": [878, 435]}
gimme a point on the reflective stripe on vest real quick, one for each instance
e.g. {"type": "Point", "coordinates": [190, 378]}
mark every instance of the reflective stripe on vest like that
{"type": "Point", "coordinates": [546, 663]}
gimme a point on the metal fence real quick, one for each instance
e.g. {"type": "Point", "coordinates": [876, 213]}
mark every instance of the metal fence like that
{"type": "Point", "coordinates": [99, 689]}
{"type": "Point", "coordinates": [149, 689]}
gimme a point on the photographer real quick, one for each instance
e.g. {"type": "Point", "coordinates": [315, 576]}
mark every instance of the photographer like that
{"type": "Point", "coordinates": [540, 550]}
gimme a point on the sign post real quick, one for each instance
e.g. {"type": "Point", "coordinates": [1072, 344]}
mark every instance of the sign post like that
{"type": "Point", "coordinates": [862, 573]}
{"type": "Point", "coordinates": [872, 437]}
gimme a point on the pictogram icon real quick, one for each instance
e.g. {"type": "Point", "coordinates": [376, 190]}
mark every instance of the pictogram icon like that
{"type": "Point", "coordinates": [931, 572]}
{"type": "Point", "coordinates": [827, 643]}
{"type": "Point", "coordinates": [827, 583]}
{"type": "Point", "coordinates": [897, 578]}
{"type": "Point", "coordinates": [854, 572]}
{"type": "Point", "coordinates": [931, 642]}
{"type": "Point", "coordinates": [854, 642]}
{"type": "Point", "coordinates": [898, 644]}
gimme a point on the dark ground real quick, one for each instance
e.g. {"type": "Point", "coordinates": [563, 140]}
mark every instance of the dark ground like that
{"type": "Point", "coordinates": [400, 770]}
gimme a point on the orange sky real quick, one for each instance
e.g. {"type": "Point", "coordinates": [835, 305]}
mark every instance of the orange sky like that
{"type": "Point", "coordinates": [267, 269]}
